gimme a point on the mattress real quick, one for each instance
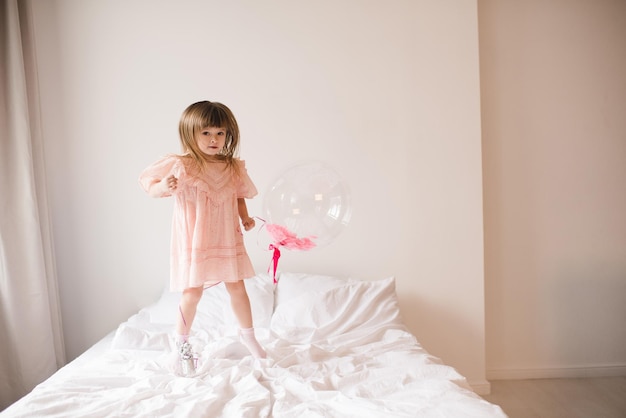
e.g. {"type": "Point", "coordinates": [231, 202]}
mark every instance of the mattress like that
{"type": "Point", "coordinates": [336, 348]}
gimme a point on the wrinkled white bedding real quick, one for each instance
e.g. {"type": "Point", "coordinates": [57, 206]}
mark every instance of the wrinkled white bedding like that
{"type": "Point", "coordinates": [336, 348]}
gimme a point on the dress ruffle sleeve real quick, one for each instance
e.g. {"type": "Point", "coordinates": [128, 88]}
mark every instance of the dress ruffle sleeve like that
{"type": "Point", "coordinates": [164, 167]}
{"type": "Point", "coordinates": [245, 187]}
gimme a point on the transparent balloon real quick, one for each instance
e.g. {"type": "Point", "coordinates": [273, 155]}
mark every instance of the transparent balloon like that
{"type": "Point", "coordinates": [311, 200]}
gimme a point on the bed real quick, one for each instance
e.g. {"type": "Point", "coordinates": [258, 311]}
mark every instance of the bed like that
{"type": "Point", "coordinates": [336, 348]}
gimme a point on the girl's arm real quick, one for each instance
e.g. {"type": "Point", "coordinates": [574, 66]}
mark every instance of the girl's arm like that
{"type": "Point", "coordinates": [246, 220]}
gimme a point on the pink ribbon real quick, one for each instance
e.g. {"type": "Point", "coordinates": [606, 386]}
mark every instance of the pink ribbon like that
{"type": "Point", "coordinates": [274, 261]}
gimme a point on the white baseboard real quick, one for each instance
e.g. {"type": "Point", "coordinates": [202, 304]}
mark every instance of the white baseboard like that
{"type": "Point", "coordinates": [557, 372]}
{"type": "Point", "coordinates": [481, 387]}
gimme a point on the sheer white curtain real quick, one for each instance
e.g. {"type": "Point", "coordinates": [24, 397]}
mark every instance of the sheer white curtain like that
{"type": "Point", "coordinates": [31, 343]}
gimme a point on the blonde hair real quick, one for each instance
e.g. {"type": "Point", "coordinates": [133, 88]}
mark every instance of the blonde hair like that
{"type": "Point", "coordinates": [205, 114]}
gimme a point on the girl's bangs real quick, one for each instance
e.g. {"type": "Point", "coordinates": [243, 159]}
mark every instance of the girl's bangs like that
{"type": "Point", "coordinates": [215, 117]}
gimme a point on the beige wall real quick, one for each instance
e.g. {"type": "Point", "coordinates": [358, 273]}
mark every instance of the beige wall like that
{"type": "Point", "coordinates": [389, 95]}
{"type": "Point", "coordinates": [553, 85]}
{"type": "Point", "coordinates": [387, 92]}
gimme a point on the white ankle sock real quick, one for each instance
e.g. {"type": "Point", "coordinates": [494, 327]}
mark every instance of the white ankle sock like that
{"type": "Point", "coordinates": [181, 338]}
{"type": "Point", "coordinates": [249, 340]}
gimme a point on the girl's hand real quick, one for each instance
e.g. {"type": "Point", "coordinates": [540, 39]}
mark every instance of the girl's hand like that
{"type": "Point", "coordinates": [169, 184]}
{"type": "Point", "coordinates": [248, 223]}
{"type": "Point", "coordinates": [165, 187]}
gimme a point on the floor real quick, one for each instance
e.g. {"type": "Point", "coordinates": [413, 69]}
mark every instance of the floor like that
{"type": "Point", "coordinates": [598, 397]}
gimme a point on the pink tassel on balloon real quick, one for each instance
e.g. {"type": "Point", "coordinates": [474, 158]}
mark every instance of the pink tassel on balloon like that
{"type": "Point", "coordinates": [283, 237]}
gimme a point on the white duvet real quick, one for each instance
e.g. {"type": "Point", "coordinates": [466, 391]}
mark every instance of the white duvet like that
{"type": "Point", "coordinates": [336, 348]}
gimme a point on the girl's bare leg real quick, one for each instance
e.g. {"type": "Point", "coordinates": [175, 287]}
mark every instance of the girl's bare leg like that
{"type": "Point", "coordinates": [186, 365]}
{"type": "Point", "coordinates": [240, 303]}
{"type": "Point", "coordinates": [188, 304]}
{"type": "Point", "coordinates": [241, 308]}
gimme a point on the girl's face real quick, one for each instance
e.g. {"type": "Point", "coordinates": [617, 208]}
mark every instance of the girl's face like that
{"type": "Point", "coordinates": [211, 140]}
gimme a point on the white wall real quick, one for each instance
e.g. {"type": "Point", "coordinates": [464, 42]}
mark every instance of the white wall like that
{"type": "Point", "coordinates": [387, 92]}
{"type": "Point", "coordinates": [554, 141]}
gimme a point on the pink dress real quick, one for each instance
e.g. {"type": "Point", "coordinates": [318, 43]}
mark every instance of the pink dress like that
{"type": "Point", "coordinates": [207, 242]}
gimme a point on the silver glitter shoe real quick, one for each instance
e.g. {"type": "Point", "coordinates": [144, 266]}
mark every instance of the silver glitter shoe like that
{"type": "Point", "coordinates": [187, 361]}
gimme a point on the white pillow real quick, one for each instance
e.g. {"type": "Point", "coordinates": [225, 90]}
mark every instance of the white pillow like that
{"type": "Point", "coordinates": [292, 285]}
{"type": "Point", "coordinates": [356, 305]}
{"type": "Point", "coordinates": [139, 333]}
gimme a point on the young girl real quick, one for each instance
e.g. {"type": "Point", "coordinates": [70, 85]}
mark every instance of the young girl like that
{"type": "Point", "coordinates": [209, 185]}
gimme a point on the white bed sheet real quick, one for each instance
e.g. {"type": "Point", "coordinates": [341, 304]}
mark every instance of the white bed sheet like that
{"type": "Point", "coordinates": [336, 348]}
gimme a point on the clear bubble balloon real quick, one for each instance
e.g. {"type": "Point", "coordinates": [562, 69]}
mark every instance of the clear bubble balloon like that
{"type": "Point", "coordinates": [310, 199]}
